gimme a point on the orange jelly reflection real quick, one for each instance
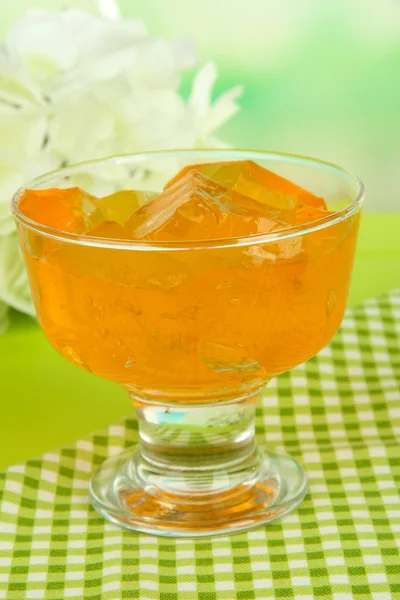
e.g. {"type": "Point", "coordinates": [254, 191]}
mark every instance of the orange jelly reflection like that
{"type": "Point", "coordinates": [196, 322]}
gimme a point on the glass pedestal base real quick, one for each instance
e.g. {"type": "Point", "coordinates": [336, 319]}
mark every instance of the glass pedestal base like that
{"type": "Point", "coordinates": [136, 493]}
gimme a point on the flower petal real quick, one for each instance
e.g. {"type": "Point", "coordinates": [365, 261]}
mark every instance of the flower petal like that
{"type": "Point", "coordinates": [106, 55]}
{"type": "Point", "coordinates": [224, 107]}
{"type": "Point", "coordinates": [10, 181]}
{"type": "Point", "coordinates": [109, 9]}
{"type": "Point", "coordinates": [22, 133]}
{"type": "Point", "coordinates": [154, 66]}
{"type": "Point", "coordinates": [42, 41]}
{"type": "Point", "coordinates": [17, 88]}
{"type": "Point", "coordinates": [76, 128]}
{"type": "Point", "coordinates": [185, 54]}
{"type": "Point", "coordinates": [14, 288]}
{"type": "Point", "coordinates": [200, 97]}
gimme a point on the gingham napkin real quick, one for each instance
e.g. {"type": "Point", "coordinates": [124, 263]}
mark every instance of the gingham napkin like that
{"type": "Point", "coordinates": [339, 414]}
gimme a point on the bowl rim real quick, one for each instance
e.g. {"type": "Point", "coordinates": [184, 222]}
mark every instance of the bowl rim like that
{"type": "Point", "coordinates": [142, 157]}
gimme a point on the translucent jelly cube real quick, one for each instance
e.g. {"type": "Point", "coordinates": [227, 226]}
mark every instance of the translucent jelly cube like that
{"type": "Point", "coordinates": [308, 214]}
{"type": "Point", "coordinates": [110, 230]}
{"type": "Point", "coordinates": [249, 179]}
{"type": "Point", "coordinates": [117, 207]}
{"type": "Point", "coordinates": [72, 210]}
{"type": "Point", "coordinates": [196, 208]}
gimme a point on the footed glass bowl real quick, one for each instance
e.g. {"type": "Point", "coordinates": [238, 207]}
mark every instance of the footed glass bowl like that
{"type": "Point", "coordinates": [193, 331]}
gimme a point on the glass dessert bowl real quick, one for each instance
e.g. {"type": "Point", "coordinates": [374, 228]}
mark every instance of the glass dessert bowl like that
{"type": "Point", "coordinates": [192, 299]}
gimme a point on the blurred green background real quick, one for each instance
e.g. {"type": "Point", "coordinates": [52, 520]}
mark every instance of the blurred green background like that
{"type": "Point", "coordinates": [320, 78]}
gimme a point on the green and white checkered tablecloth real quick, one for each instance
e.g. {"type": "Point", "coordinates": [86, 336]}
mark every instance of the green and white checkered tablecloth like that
{"type": "Point", "coordinates": [339, 413]}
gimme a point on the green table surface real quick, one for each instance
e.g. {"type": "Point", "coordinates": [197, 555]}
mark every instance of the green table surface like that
{"type": "Point", "coordinates": [47, 402]}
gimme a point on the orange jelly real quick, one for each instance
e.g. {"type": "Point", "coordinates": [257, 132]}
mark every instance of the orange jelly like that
{"type": "Point", "coordinates": [197, 300]}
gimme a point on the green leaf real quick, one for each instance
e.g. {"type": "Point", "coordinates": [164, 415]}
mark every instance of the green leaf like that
{"type": "Point", "coordinates": [3, 317]}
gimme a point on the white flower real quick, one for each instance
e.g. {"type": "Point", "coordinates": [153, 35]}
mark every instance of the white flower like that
{"type": "Point", "coordinates": [74, 86]}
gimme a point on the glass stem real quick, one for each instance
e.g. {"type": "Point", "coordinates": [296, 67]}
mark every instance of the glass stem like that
{"type": "Point", "coordinates": [177, 438]}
